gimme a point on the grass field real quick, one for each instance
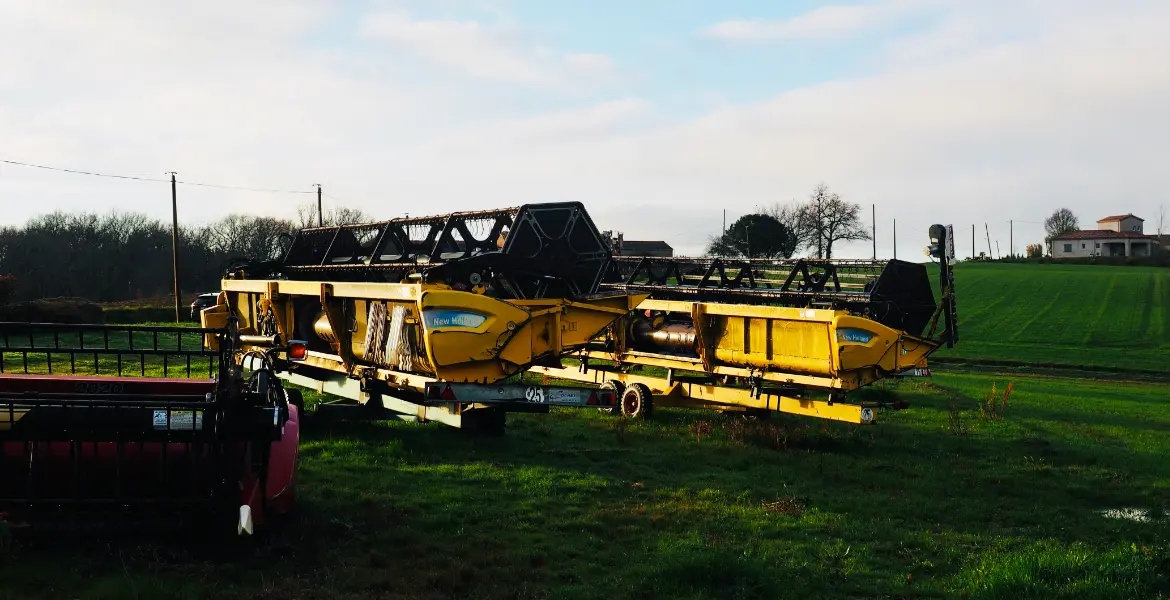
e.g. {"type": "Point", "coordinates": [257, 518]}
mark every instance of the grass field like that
{"type": "Point", "coordinates": [936, 501]}
{"type": "Point", "coordinates": [1064, 314]}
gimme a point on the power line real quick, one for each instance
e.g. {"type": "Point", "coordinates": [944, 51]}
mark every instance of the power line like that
{"type": "Point", "coordinates": [247, 189]}
{"type": "Point", "coordinates": [24, 164]}
{"type": "Point", "coordinates": [136, 178]}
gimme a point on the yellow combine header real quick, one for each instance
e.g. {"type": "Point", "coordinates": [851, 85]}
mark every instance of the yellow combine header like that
{"type": "Point", "coordinates": [386, 310]}
{"type": "Point", "coordinates": [791, 336]}
{"type": "Point", "coordinates": [437, 318]}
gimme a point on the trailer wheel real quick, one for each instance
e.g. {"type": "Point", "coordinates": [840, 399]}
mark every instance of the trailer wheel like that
{"type": "Point", "coordinates": [296, 399]}
{"type": "Point", "coordinates": [637, 401]}
{"type": "Point", "coordinates": [619, 389]}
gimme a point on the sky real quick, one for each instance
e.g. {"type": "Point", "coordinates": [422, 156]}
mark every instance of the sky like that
{"type": "Point", "coordinates": [660, 116]}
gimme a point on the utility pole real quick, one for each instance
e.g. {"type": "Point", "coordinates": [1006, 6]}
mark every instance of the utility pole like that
{"type": "Point", "coordinates": [895, 239]}
{"type": "Point", "coordinates": [320, 215]}
{"type": "Point", "coordinates": [988, 232]}
{"type": "Point", "coordinates": [1011, 239]}
{"type": "Point", "coordinates": [972, 241]}
{"type": "Point", "coordinates": [175, 241]}
{"type": "Point", "coordinates": [724, 222]}
{"type": "Point", "coordinates": [873, 222]}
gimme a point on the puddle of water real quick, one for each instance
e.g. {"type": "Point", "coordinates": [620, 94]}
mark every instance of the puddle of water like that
{"type": "Point", "coordinates": [1139, 515]}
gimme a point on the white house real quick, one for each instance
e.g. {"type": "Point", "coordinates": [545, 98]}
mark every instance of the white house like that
{"type": "Point", "coordinates": [1118, 235]}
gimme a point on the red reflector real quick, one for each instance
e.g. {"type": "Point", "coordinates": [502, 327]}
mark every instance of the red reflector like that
{"type": "Point", "coordinates": [606, 398]}
{"type": "Point", "coordinates": [592, 401]}
{"type": "Point", "coordinates": [448, 393]}
{"type": "Point", "coordinates": [297, 350]}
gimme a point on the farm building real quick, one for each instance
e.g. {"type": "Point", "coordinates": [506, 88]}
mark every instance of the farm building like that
{"type": "Point", "coordinates": [1118, 235]}
{"type": "Point", "coordinates": [622, 246]}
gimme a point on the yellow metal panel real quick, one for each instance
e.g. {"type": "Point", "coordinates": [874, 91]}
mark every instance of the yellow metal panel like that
{"type": "Point", "coordinates": [797, 346]}
{"type": "Point", "coordinates": [458, 343]}
{"type": "Point", "coordinates": [341, 289]}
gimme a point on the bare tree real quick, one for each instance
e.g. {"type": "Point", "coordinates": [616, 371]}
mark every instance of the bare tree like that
{"type": "Point", "coordinates": [337, 215]}
{"type": "Point", "coordinates": [826, 219]}
{"type": "Point", "coordinates": [258, 238]}
{"type": "Point", "coordinates": [789, 216]}
{"type": "Point", "coordinates": [1060, 222]}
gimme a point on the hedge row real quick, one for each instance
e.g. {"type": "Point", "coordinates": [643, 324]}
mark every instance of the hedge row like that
{"type": "Point", "coordinates": [82, 311]}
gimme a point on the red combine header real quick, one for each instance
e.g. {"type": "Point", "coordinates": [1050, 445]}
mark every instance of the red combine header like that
{"type": "Point", "coordinates": [141, 426]}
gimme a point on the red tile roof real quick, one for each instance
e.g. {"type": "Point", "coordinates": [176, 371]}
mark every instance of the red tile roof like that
{"type": "Point", "coordinates": [1099, 234]}
{"type": "Point", "coordinates": [1120, 218]}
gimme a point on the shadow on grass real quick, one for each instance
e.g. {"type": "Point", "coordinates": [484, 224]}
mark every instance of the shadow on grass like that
{"type": "Point", "coordinates": [691, 505]}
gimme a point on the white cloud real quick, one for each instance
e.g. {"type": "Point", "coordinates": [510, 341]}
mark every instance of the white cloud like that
{"type": "Point", "coordinates": [591, 63]}
{"type": "Point", "coordinates": [831, 21]}
{"type": "Point", "coordinates": [1065, 108]}
{"type": "Point", "coordinates": [491, 52]}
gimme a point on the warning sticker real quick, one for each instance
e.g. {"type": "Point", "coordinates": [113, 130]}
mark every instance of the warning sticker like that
{"type": "Point", "coordinates": [179, 420]}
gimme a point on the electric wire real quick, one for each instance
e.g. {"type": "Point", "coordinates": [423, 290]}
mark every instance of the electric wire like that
{"type": "Point", "coordinates": [154, 179]}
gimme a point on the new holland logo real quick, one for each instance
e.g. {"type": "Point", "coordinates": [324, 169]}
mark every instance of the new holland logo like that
{"type": "Point", "coordinates": [855, 336]}
{"type": "Point", "coordinates": [452, 318]}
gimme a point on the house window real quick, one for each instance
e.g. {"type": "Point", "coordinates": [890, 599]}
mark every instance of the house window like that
{"type": "Point", "coordinates": [1068, 247]}
{"type": "Point", "coordinates": [1097, 245]}
{"type": "Point", "coordinates": [1082, 245]}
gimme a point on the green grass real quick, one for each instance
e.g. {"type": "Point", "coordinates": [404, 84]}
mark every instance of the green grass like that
{"type": "Point", "coordinates": [936, 501]}
{"type": "Point", "coordinates": [1095, 316]}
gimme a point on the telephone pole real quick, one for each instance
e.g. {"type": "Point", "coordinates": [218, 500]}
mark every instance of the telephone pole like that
{"type": "Point", "coordinates": [873, 223]}
{"type": "Point", "coordinates": [1011, 239]}
{"type": "Point", "coordinates": [175, 241]}
{"type": "Point", "coordinates": [320, 215]}
{"type": "Point", "coordinates": [895, 239]}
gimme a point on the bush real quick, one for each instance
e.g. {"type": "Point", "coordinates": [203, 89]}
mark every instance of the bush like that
{"type": "Point", "coordinates": [54, 310]}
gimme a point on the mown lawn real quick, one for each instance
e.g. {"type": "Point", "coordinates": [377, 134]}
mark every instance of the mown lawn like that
{"type": "Point", "coordinates": [936, 501]}
{"type": "Point", "coordinates": [1102, 316]}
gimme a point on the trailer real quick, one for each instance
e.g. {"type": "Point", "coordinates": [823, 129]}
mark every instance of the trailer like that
{"type": "Point", "coordinates": [761, 336]}
{"type": "Point", "coordinates": [432, 318]}
{"type": "Point", "coordinates": [141, 429]}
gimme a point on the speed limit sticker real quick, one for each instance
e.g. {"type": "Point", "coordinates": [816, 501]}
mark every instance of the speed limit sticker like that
{"type": "Point", "coordinates": [534, 394]}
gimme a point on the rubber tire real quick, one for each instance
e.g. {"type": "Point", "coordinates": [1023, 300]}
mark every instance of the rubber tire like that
{"type": "Point", "coordinates": [642, 400]}
{"type": "Point", "coordinates": [296, 399]}
{"type": "Point", "coordinates": [619, 389]}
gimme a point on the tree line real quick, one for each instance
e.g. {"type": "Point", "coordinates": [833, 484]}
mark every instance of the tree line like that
{"type": "Point", "coordinates": [815, 225]}
{"type": "Point", "coordinates": [125, 255]}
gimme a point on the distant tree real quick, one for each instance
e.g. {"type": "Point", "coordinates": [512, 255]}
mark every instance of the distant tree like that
{"type": "Point", "coordinates": [1060, 222]}
{"type": "Point", "coordinates": [789, 215]}
{"type": "Point", "coordinates": [257, 238]}
{"type": "Point", "coordinates": [1035, 251]}
{"type": "Point", "coordinates": [756, 235]}
{"type": "Point", "coordinates": [337, 215]}
{"type": "Point", "coordinates": [825, 219]}
{"type": "Point", "coordinates": [7, 288]}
